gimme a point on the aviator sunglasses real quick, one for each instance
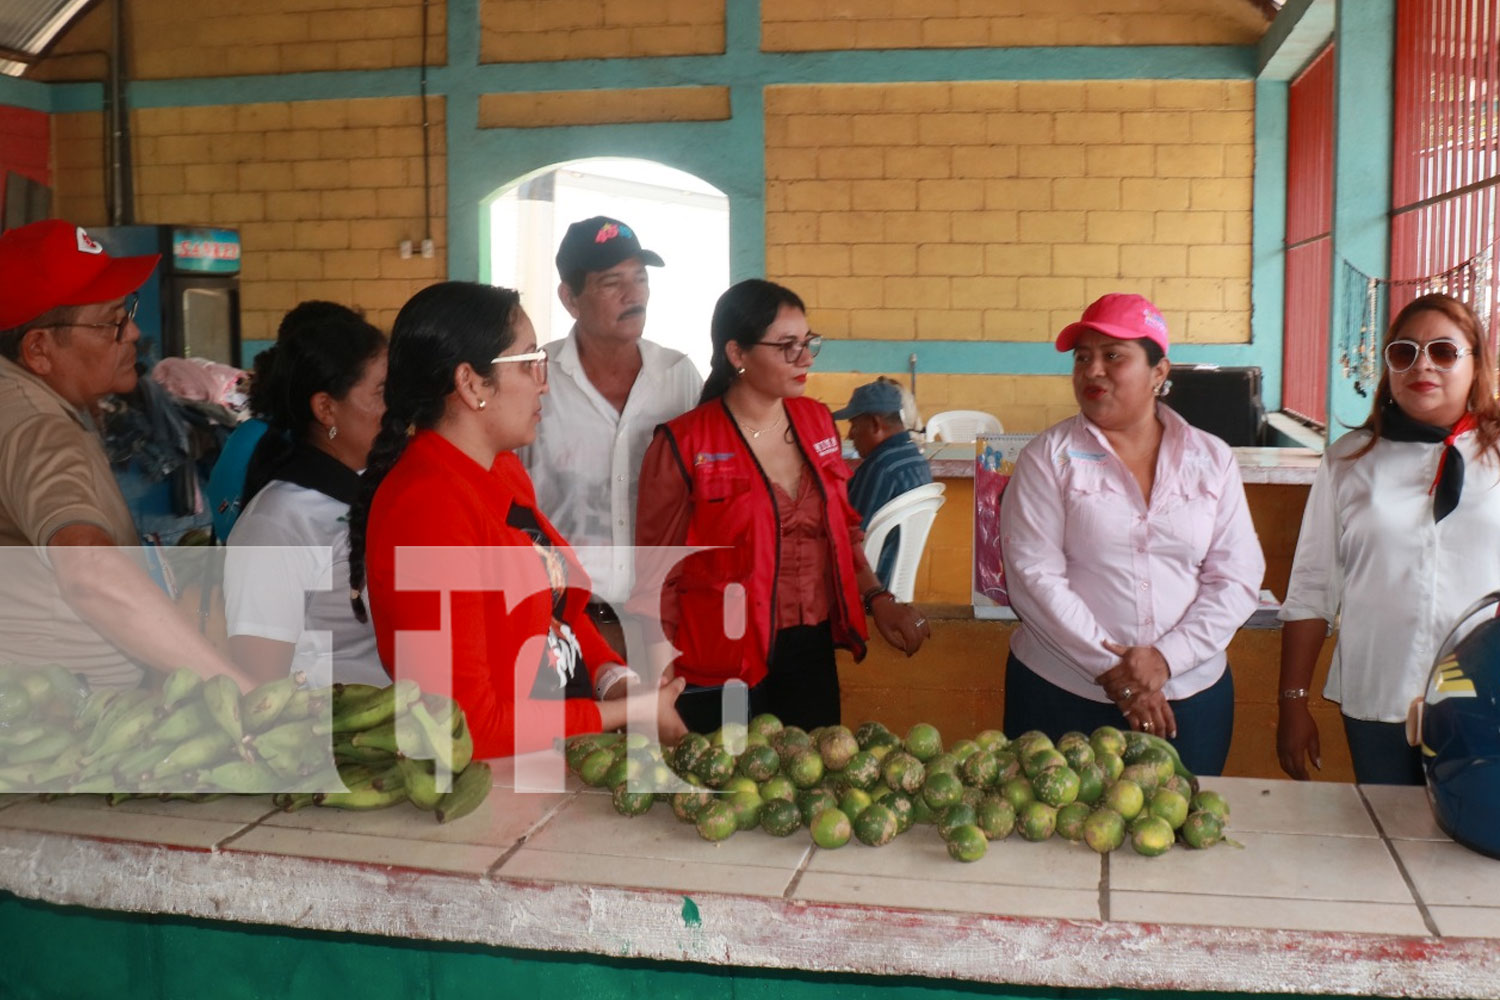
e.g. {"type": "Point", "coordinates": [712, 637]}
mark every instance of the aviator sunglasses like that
{"type": "Point", "coordinates": [1400, 355]}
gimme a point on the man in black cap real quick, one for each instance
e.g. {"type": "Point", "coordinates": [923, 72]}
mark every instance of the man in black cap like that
{"type": "Point", "coordinates": [609, 388]}
{"type": "Point", "coordinates": [891, 461]}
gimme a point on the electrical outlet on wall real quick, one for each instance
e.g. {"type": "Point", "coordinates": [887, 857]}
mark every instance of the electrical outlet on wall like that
{"type": "Point", "coordinates": [404, 248]}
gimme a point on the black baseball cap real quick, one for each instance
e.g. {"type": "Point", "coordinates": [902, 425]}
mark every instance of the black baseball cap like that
{"type": "Point", "coordinates": [598, 244]}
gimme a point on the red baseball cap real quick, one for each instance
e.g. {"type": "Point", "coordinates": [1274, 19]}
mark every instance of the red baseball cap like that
{"type": "Point", "coordinates": [55, 263]}
{"type": "Point", "coordinates": [1121, 316]}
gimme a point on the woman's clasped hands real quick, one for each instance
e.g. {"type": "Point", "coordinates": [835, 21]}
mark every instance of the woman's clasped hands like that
{"type": "Point", "coordinates": [1135, 684]}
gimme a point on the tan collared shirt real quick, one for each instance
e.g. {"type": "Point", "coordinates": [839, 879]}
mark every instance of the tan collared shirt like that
{"type": "Point", "coordinates": [53, 473]}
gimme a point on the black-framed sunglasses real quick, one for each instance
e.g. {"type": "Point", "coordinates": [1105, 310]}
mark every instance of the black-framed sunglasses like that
{"type": "Point", "coordinates": [131, 305]}
{"type": "Point", "coordinates": [1400, 355]}
{"type": "Point", "coordinates": [792, 349]}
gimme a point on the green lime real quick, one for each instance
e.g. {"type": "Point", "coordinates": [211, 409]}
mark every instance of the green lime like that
{"type": "Point", "coordinates": [967, 843]}
{"type": "Point", "coordinates": [812, 801]}
{"type": "Point", "coordinates": [746, 806]}
{"type": "Point", "coordinates": [778, 787]}
{"type": "Point", "coordinates": [687, 805]}
{"type": "Point", "coordinates": [992, 739]}
{"type": "Point", "coordinates": [854, 801]}
{"type": "Point", "coordinates": [780, 818]}
{"type": "Point", "coordinates": [15, 703]}
{"type": "Point", "coordinates": [1079, 754]}
{"type": "Point", "coordinates": [996, 817]}
{"type": "Point", "coordinates": [1107, 739]}
{"type": "Point", "coordinates": [1070, 820]}
{"type": "Point", "coordinates": [1007, 766]}
{"type": "Point", "coordinates": [921, 812]}
{"type": "Point", "coordinates": [1151, 836]}
{"type": "Point", "coordinates": [956, 816]}
{"type": "Point", "coordinates": [905, 808]}
{"type": "Point", "coordinates": [923, 741]}
{"type": "Point", "coordinates": [595, 769]}
{"type": "Point", "coordinates": [876, 826]}
{"type": "Point", "coordinates": [715, 767]}
{"type": "Point", "coordinates": [1126, 798]}
{"type": "Point", "coordinates": [1142, 774]}
{"type": "Point", "coordinates": [1170, 806]}
{"type": "Point", "coordinates": [739, 783]}
{"type": "Point", "coordinates": [628, 803]}
{"type": "Point", "coordinates": [1036, 821]}
{"type": "Point", "coordinates": [837, 746]}
{"type": "Point", "coordinates": [1159, 758]}
{"type": "Point", "coordinates": [803, 766]}
{"type": "Point", "coordinates": [765, 725]}
{"type": "Point", "coordinates": [830, 829]}
{"type": "Point", "coordinates": [1091, 782]}
{"type": "Point", "coordinates": [1113, 765]}
{"type": "Point", "coordinates": [1104, 830]}
{"type": "Point", "coordinates": [1202, 829]}
{"type": "Point", "coordinates": [1056, 786]}
{"type": "Point", "coordinates": [963, 749]}
{"type": "Point", "coordinates": [759, 763]}
{"type": "Point", "coordinates": [942, 790]}
{"type": "Point", "coordinates": [943, 763]}
{"type": "Point", "coordinates": [980, 769]}
{"type": "Point", "coordinates": [789, 738]}
{"type": "Point", "coordinates": [1018, 792]}
{"type": "Point", "coordinates": [903, 772]}
{"type": "Point", "coordinates": [717, 821]}
{"type": "Point", "coordinates": [1182, 786]}
{"type": "Point", "coordinates": [685, 755]}
{"type": "Point", "coordinates": [863, 770]}
{"type": "Point", "coordinates": [867, 732]}
{"type": "Point", "coordinates": [1212, 802]}
{"type": "Point", "coordinates": [1039, 761]}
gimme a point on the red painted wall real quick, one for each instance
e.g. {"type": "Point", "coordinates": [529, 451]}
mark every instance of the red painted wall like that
{"type": "Point", "coordinates": [25, 146]}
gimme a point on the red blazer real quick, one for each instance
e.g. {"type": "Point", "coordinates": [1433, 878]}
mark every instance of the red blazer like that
{"type": "Point", "coordinates": [438, 496]}
{"type": "Point", "coordinates": [733, 506]}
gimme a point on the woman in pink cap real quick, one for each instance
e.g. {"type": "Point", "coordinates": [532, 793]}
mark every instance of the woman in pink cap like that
{"type": "Point", "coordinates": [1129, 552]}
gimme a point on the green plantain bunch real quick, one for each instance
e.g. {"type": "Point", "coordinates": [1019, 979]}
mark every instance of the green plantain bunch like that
{"type": "Point", "coordinates": [350, 746]}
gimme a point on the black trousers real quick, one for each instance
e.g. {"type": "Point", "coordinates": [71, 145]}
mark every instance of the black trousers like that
{"type": "Point", "coordinates": [802, 688]}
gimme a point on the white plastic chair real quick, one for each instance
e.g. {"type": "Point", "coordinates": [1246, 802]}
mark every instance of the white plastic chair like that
{"type": "Point", "coordinates": [912, 512]}
{"type": "Point", "coordinates": [962, 425]}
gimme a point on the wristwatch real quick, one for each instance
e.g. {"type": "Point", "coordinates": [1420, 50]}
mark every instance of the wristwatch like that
{"type": "Point", "coordinates": [870, 595]}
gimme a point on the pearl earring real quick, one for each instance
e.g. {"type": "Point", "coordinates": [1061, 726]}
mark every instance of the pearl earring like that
{"type": "Point", "coordinates": [481, 404]}
{"type": "Point", "coordinates": [739, 371]}
{"type": "Point", "coordinates": [333, 432]}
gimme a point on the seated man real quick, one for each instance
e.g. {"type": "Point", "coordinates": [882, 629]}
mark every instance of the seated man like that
{"type": "Point", "coordinates": [67, 340]}
{"type": "Point", "coordinates": [892, 462]}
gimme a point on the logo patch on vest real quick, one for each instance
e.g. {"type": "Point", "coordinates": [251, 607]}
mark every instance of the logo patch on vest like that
{"type": "Point", "coordinates": [705, 457]}
{"type": "Point", "coordinates": [827, 446]}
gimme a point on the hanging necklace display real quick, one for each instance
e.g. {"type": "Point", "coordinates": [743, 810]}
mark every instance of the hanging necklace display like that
{"type": "Point", "coordinates": [1368, 351]}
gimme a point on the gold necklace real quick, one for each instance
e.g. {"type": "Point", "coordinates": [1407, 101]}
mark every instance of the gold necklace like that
{"type": "Point", "coordinates": [755, 434]}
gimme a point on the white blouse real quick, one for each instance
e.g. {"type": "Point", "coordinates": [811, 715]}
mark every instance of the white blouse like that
{"type": "Point", "coordinates": [1371, 561]}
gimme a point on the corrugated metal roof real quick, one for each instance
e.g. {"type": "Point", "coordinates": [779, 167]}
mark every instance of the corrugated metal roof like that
{"type": "Point", "coordinates": [27, 27]}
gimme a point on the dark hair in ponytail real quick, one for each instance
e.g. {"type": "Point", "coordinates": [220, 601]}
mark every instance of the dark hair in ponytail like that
{"type": "Point", "coordinates": [320, 347]}
{"type": "Point", "coordinates": [441, 327]}
{"type": "Point", "coordinates": [742, 314]}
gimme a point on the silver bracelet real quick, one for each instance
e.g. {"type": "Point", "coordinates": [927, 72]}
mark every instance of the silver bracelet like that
{"type": "Point", "coordinates": [1294, 694]}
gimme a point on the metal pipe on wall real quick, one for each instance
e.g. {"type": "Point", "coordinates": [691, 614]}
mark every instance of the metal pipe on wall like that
{"type": "Point", "coordinates": [120, 186]}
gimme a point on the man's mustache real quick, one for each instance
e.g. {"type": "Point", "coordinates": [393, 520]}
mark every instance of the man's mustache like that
{"type": "Point", "coordinates": [633, 311]}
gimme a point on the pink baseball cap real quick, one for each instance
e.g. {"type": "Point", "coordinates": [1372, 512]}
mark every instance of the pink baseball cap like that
{"type": "Point", "coordinates": [1121, 316]}
{"type": "Point", "coordinates": [55, 263]}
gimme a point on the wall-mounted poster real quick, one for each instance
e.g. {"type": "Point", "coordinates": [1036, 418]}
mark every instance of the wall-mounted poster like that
{"type": "Point", "coordinates": [994, 461]}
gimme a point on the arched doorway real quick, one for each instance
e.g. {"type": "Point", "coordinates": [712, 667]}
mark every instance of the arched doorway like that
{"type": "Point", "coordinates": [678, 215]}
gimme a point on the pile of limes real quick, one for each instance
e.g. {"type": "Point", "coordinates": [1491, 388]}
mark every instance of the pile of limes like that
{"type": "Point", "coordinates": [871, 785]}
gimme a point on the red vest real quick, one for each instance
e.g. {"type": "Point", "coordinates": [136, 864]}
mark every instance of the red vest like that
{"type": "Point", "coordinates": [727, 596]}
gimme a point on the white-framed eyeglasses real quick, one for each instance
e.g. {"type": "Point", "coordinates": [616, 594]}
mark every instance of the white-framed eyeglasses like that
{"type": "Point", "coordinates": [1400, 355]}
{"type": "Point", "coordinates": [533, 362]}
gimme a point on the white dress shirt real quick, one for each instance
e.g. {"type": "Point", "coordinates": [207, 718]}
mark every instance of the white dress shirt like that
{"type": "Point", "coordinates": [1371, 557]}
{"type": "Point", "coordinates": [1087, 559]}
{"type": "Point", "coordinates": [586, 460]}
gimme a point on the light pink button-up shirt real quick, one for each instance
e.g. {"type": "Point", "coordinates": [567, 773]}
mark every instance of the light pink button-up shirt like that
{"type": "Point", "coordinates": [1087, 559]}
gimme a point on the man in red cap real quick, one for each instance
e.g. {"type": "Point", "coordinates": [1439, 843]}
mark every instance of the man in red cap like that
{"type": "Point", "coordinates": [67, 340]}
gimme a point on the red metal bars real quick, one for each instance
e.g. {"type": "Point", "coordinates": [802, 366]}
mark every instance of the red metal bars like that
{"type": "Point", "coordinates": [1309, 223]}
{"type": "Point", "coordinates": [1446, 162]}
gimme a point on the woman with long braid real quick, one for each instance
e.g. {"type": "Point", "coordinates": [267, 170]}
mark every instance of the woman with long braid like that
{"type": "Point", "coordinates": [464, 390]}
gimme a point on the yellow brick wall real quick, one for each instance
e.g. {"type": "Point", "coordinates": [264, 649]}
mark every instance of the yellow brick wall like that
{"type": "Point", "coordinates": [998, 210]}
{"type": "Point", "coordinates": [822, 25]}
{"type": "Point", "coordinates": [544, 30]}
{"type": "Point", "coordinates": [602, 107]}
{"type": "Point", "coordinates": [168, 39]}
{"type": "Point", "coordinates": [322, 192]}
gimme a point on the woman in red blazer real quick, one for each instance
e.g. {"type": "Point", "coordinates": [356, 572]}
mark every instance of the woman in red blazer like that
{"type": "Point", "coordinates": [487, 588]}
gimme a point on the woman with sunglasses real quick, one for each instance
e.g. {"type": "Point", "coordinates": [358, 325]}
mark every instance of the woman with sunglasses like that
{"type": "Point", "coordinates": [1398, 537]}
{"type": "Point", "coordinates": [445, 490]}
{"type": "Point", "coordinates": [756, 472]}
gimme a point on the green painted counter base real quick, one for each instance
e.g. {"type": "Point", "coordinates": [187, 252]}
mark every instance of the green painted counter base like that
{"type": "Point", "coordinates": [72, 953]}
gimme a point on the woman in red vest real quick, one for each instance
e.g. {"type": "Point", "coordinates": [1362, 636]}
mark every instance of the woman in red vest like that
{"type": "Point", "coordinates": [448, 526]}
{"type": "Point", "coordinates": [756, 471]}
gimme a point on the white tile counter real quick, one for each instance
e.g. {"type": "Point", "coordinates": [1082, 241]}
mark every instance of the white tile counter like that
{"type": "Point", "coordinates": [1335, 889]}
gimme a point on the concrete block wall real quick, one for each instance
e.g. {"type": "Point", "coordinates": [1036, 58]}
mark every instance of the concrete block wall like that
{"type": "Point", "coordinates": [168, 40]}
{"type": "Point", "coordinates": [821, 25]}
{"type": "Point", "coordinates": [544, 30]}
{"type": "Point", "coordinates": [322, 193]}
{"type": "Point", "coordinates": [546, 109]}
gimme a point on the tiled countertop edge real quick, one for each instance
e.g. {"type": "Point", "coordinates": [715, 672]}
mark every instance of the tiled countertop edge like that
{"type": "Point", "coordinates": [733, 930]}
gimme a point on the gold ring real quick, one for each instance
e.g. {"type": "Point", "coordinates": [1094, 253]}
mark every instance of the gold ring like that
{"type": "Point", "coordinates": [920, 622]}
{"type": "Point", "coordinates": [1125, 693]}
